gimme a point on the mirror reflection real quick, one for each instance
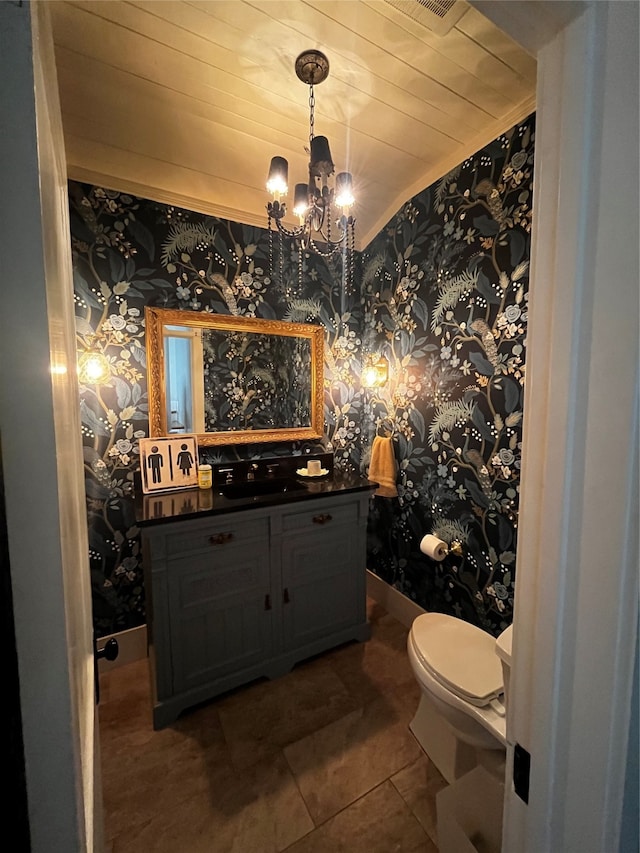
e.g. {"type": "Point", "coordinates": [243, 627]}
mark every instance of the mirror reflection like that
{"type": "Point", "coordinates": [233, 379]}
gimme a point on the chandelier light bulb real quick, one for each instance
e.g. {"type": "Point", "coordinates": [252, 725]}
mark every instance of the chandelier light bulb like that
{"type": "Point", "coordinates": [278, 177]}
{"type": "Point", "coordinates": [301, 200]}
{"type": "Point", "coordinates": [344, 190]}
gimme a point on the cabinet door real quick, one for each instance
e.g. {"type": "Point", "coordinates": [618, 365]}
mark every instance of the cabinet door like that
{"type": "Point", "coordinates": [322, 573]}
{"type": "Point", "coordinates": [220, 607]}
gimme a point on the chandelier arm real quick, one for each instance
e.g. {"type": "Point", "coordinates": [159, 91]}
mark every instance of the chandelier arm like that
{"type": "Point", "coordinates": [326, 238]}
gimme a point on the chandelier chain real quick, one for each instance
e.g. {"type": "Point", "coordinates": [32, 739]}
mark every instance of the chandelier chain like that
{"type": "Point", "coordinates": [312, 105]}
{"type": "Point", "coordinates": [333, 249]}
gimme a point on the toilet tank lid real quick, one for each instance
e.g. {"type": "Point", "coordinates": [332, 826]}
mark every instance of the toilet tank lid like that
{"type": "Point", "coordinates": [460, 655]}
{"type": "Point", "coordinates": [503, 645]}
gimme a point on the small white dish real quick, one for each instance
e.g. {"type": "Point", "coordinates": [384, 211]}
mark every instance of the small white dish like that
{"type": "Point", "coordinates": [304, 472]}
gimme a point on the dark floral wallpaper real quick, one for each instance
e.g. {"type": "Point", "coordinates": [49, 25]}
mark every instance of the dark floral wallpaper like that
{"type": "Point", "coordinates": [130, 252]}
{"type": "Point", "coordinates": [445, 285]}
{"type": "Point", "coordinates": [441, 292]}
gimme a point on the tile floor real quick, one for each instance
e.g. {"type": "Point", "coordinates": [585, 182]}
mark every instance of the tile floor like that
{"type": "Point", "coordinates": [318, 761]}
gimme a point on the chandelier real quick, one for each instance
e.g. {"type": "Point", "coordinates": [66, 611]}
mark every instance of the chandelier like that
{"type": "Point", "coordinates": [325, 225]}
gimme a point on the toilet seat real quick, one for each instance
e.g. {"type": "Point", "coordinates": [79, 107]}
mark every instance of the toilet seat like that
{"type": "Point", "coordinates": [461, 657]}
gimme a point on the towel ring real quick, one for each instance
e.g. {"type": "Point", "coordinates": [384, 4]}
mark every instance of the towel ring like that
{"type": "Point", "coordinates": [385, 428]}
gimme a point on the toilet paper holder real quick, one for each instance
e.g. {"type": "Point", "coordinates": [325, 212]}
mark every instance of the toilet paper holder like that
{"type": "Point", "coordinates": [438, 549]}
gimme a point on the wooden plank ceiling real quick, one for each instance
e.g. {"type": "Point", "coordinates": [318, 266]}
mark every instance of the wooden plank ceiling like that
{"type": "Point", "coordinates": [186, 102]}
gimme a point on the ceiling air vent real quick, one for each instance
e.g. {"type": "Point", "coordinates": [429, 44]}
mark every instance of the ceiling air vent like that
{"type": "Point", "coordinates": [439, 16]}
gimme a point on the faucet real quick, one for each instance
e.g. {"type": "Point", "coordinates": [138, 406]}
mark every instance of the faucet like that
{"type": "Point", "coordinates": [228, 472]}
{"type": "Point", "coordinates": [251, 473]}
{"type": "Point", "coordinates": [271, 469]}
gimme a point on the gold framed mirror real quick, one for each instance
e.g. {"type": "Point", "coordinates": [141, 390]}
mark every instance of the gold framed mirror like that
{"type": "Point", "coordinates": [233, 380]}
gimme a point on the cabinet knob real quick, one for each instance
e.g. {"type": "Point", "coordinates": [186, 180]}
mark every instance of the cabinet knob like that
{"type": "Point", "coordinates": [267, 602]}
{"type": "Point", "coordinates": [321, 519]}
{"type": "Point", "coordinates": [285, 595]}
{"type": "Point", "coordinates": [220, 538]}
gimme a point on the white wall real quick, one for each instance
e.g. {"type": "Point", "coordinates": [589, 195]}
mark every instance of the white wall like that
{"type": "Point", "coordinates": [576, 609]}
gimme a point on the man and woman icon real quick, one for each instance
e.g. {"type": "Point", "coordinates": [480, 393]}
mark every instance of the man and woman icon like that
{"type": "Point", "coordinates": [155, 462]}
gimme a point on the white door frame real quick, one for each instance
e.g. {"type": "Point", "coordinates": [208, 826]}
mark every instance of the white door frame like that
{"type": "Point", "coordinates": [42, 448]}
{"type": "Point", "coordinates": [576, 605]}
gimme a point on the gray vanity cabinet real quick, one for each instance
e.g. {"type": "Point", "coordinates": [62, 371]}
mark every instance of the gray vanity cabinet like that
{"type": "Point", "coordinates": [240, 595]}
{"type": "Point", "coordinates": [209, 612]}
{"type": "Point", "coordinates": [219, 592]}
{"type": "Point", "coordinates": [322, 594]}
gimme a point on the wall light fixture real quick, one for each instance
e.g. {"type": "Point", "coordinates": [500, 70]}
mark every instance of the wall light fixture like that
{"type": "Point", "coordinates": [375, 371]}
{"type": "Point", "coordinates": [93, 368]}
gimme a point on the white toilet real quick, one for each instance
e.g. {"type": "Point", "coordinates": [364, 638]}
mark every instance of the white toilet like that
{"type": "Point", "coordinates": [463, 673]}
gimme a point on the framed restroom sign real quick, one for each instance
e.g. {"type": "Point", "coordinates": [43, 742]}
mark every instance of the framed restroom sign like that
{"type": "Point", "coordinates": [168, 463]}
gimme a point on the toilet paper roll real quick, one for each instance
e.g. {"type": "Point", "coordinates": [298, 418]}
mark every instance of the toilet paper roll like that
{"type": "Point", "coordinates": [434, 547]}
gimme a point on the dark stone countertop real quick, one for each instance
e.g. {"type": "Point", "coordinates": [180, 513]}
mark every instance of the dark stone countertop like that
{"type": "Point", "coordinates": [170, 506]}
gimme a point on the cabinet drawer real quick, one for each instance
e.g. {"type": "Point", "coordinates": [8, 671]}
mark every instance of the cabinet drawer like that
{"type": "Point", "coordinates": [317, 518]}
{"type": "Point", "coordinates": [196, 581]}
{"type": "Point", "coordinates": [214, 537]}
